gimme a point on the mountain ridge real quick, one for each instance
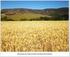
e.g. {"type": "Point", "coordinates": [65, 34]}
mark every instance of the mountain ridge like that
{"type": "Point", "coordinates": [59, 12]}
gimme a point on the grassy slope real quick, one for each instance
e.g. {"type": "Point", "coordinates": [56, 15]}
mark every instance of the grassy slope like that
{"type": "Point", "coordinates": [28, 15]}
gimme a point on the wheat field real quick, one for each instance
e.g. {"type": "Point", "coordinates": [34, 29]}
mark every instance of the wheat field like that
{"type": "Point", "coordinates": [34, 36]}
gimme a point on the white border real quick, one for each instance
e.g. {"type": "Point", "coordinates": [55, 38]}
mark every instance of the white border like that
{"type": "Point", "coordinates": [34, 53]}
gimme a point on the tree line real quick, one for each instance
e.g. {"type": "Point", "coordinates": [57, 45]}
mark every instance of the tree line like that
{"type": "Point", "coordinates": [44, 18]}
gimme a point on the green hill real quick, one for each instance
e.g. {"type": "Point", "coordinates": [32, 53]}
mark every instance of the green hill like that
{"type": "Point", "coordinates": [31, 14]}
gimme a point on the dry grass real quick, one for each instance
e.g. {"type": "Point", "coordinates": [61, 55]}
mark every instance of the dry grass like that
{"type": "Point", "coordinates": [34, 36]}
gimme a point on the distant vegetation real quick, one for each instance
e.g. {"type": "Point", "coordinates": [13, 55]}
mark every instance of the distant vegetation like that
{"type": "Point", "coordinates": [34, 15]}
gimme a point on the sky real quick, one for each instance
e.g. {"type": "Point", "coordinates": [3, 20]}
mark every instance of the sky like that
{"type": "Point", "coordinates": [33, 4]}
{"type": "Point", "coordinates": [34, 0]}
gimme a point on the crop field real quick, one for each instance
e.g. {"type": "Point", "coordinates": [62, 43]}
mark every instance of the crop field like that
{"type": "Point", "coordinates": [34, 36]}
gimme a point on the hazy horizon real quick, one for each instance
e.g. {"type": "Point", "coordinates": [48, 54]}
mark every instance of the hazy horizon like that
{"type": "Point", "coordinates": [33, 4]}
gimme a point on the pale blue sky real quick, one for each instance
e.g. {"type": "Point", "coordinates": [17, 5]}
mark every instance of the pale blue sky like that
{"type": "Point", "coordinates": [35, 0]}
{"type": "Point", "coordinates": [33, 4]}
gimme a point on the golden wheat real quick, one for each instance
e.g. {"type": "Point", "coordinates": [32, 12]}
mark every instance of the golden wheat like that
{"type": "Point", "coordinates": [34, 36]}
